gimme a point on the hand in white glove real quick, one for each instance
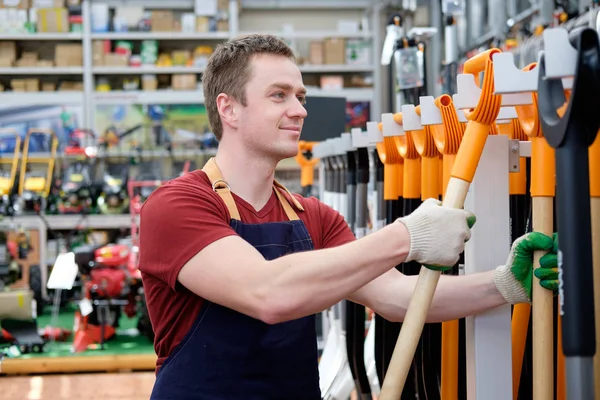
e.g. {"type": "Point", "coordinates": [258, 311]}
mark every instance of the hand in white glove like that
{"type": "Point", "coordinates": [437, 234]}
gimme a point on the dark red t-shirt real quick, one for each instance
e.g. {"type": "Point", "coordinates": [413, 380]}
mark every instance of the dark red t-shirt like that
{"type": "Point", "coordinates": [185, 215]}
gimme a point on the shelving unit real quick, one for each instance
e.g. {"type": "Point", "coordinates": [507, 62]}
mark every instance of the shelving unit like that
{"type": "Point", "coordinates": [89, 97]}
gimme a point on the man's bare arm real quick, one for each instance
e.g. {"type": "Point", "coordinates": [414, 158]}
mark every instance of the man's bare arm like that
{"type": "Point", "coordinates": [455, 297]}
{"type": "Point", "coordinates": [232, 273]}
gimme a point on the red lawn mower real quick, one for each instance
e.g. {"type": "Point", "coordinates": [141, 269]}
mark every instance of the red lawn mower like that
{"type": "Point", "coordinates": [111, 283]}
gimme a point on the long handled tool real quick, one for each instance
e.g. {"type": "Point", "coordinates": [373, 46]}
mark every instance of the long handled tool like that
{"type": "Point", "coordinates": [392, 194]}
{"type": "Point", "coordinates": [463, 172]}
{"type": "Point", "coordinates": [355, 313]}
{"type": "Point", "coordinates": [430, 188]}
{"type": "Point", "coordinates": [542, 193]}
{"type": "Point", "coordinates": [571, 135]}
{"type": "Point", "coordinates": [594, 155]}
{"type": "Point", "coordinates": [447, 132]}
{"type": "Point", "coordinates": [411, 200]}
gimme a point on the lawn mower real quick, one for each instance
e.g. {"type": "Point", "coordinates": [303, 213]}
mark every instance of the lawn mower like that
{"type": "Point", "coordinates": [34, 186]}
{"type": "Point", "coordinates": [111, 284]}
{"type": "Point", "coordinates": [76, 190]}
{"type": "Point", "coordinates": [10, 142]}
{"type": "Point", "coordinates": [113, 198]}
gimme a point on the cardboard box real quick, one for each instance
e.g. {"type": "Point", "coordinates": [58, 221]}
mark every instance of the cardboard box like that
{"type": "Point", "coordinates": [315, 52]}
{"type": "Point", "coordinates": [71, 86]}
{"type": "Point", "coordinates": [48, 86]}
{"type": "Point", "coordinates": [32, 85]}
{"type": "Point", "coordinates": [68, 55]}
{"type": "Point", "coordinates": [48, 4]}
{"type": "Point", "coordinates": [162, 21]}
{"type": "Point", "coordinates": [184, 82]}
{"type": "Point", "coordinates": [116, 60]}
{"type": "Point", "coordinates": [20, 4]}
{"type": "Point", "coordinates": [149, 83]}
{"type": "Point", "coordinates": [334, 51]}
{"type": "Point", "coordinates": [16, 304]}
{"type": "Point", "coordinates": [8, 51]}
{"type": "Point", "coordinates": [53, 20]}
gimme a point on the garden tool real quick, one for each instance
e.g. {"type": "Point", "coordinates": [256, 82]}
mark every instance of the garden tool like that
{"type": "Point", "coordinates": [335, 378]}
{"type": "Point", "coordinates": [387, 150]}
{"type": "Point", "coordinates": [9, 140]}
{"type": "Point", "coordinates": [463, 172]}
{"type": "Point", "coordinates": [355, 313]}
{"type": "Point", "coordinates": [307, 166]}
{"type": "Point", "coordinates": [594, 156]}
{"type": "Point", "coordinates": [571, 136]}
{"type": "Point", "coordinates": [447, 132]}
{"type": "Point", "coordinates": [34, 186]}
{"type": "Point", "coordinates": [519, 210]}
{"type": "Point", "coordinates": [430, 188]}
{"type": "Point", "coordinates": [411, 192]}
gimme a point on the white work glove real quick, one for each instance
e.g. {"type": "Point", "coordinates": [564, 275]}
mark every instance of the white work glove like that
{"type": "Point", "coordinates": [437, 234]}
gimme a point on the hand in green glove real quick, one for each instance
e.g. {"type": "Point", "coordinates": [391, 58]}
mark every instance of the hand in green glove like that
{"type": "Point", "coordinates": [514, 280]}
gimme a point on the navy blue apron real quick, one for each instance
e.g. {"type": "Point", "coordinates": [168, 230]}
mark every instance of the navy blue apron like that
{"type": "Point", "coordinates": [228, 355]}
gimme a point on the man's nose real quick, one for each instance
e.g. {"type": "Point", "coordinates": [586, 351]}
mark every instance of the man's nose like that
{"type": "Point", "coordinates": [298, 110]}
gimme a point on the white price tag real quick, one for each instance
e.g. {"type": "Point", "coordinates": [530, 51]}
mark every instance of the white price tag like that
{"type": "Point", "coordinates": [64, 272]}
{"type": "Point", "coordinates": [85, 306]}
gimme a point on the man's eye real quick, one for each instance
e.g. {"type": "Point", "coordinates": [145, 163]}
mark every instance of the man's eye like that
{"type": "Point", "coordinates": [279, 95]}
{"type": "Point", "coordinates": [302, 99]}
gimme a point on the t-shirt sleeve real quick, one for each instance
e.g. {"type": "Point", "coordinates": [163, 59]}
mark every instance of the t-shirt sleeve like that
{"type": "Point", "coordinates": [176, 222]}
{"type": "Point", "coordinates": [336, 230]}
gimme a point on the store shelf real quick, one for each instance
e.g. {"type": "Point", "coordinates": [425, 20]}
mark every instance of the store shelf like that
{"type": "Point", "coordinates": [12, 99]}
{"type": "Point", "coordinates": [58, 222]}
{"type": "Point", "coordinates": [351, 94]}
{"type": "Point", "coordinates": [304, 4]}
{"type": "Point", "coordinates": [41, 36]}
{"type": "Point", "coordinates": [336, 68]}
{"type": "Point", "coordinates": [150, 97]}
{"type": "Point", "coordinates": [146, 70]}
{"type": "Point", "coordinates": [160, 36]}
{"type": "Point", "coordinates": [315, 34]}
{"type": "Point", "coordinates": [41, 71]}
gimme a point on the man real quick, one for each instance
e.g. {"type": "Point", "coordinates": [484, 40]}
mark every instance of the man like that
{"type": "Point", "coordinates": [235, 267]}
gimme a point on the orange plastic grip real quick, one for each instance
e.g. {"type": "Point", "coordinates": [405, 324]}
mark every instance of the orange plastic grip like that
{"type": "Point", "coordinates": [478, 63]}
{"type": "Point", "coordinates": [594, 156]}
{"type": "Point", "coordinates": [469, 153]}
{"type": "Point", "coordinates": [430, 177]}
{"type": "Point", "coordinates": [412, 179]}
{"type": "Point", "coordinates": [480, 120]}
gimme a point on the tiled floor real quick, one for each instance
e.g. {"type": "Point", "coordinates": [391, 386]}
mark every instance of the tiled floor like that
{"type": "Point", "coordinates": [117, 386]}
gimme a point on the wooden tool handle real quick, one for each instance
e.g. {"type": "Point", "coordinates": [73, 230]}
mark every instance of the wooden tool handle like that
{"type": "Point", "coordinates": [418, 308]}
{"type": "Point", "coordinates": [543, 309]}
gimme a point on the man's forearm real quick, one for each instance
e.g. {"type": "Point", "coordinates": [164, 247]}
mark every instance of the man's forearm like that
{"type": "Point", "coordinates": [455, 297]}
{"type": "Point", "coordinates": [307, 282]}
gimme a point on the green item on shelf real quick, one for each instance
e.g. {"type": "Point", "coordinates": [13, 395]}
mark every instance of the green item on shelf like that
{"type": "Point", "coordinates": [124, 44]}
{"type": "Point", "coordinates": [77, 28]}
{"type": "Point", "coordinates": [149, 52]}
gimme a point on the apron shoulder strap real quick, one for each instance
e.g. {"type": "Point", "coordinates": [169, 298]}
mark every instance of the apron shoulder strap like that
{"type": "Point", "coordinates": [221, 187]}
{"type": "Point", "coordinates": [289, 211]}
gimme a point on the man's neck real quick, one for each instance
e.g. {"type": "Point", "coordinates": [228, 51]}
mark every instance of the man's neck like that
{"type": "Point", "coordinates": [248, 176]}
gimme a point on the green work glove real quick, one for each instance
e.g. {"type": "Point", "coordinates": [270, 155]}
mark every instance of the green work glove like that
{"type": "Point", "coordinates": [514, 280]}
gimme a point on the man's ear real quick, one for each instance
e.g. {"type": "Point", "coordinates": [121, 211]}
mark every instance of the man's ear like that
{"type": "Point", "coordinates": [226, 106]}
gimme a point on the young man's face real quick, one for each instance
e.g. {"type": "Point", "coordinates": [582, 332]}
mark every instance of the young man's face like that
{"type": "Point", "coordinates": [272, 121]}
